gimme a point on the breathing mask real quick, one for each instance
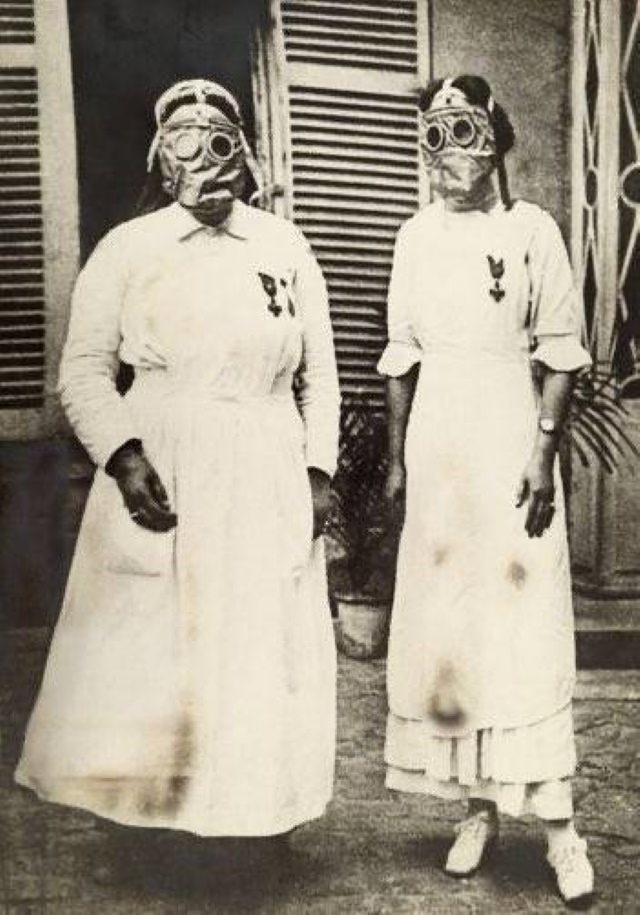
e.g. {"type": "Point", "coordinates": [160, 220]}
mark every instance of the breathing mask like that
{"type": "Point", "coordinates": [200, 146]}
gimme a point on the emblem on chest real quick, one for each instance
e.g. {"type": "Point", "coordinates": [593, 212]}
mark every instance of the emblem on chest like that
{"type": "Point", "coordinates": [278, 294]}
{"type": "Point", "coordinates": [496, 269]}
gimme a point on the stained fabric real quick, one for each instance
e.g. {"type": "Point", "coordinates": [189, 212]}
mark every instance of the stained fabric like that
{"type": "Point", "coordinates": [481, 611]}
{"type": "Point", "coordinates": [522, 770]}
{"type": "Point", "coordinates": [191, 678]}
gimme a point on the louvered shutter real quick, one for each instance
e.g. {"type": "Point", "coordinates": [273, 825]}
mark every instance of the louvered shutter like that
{"type": "Point", "coordinates": [38, 212]}
{"type": "Point", "coordinates": [352, 70]}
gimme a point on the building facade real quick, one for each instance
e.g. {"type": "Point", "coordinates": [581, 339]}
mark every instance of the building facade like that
{"type": "Point", "coordinates": [328, 88]}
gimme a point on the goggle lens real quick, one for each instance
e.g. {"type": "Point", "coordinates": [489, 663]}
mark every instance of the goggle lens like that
{"type": "Point", "coordinates": [187, 145]}
{"type": "Point", "coordinates": [464, 131]}
{"type": "Point", "coordinates": [222, 146]}
{"type": "Point", "coordinates": [434, 138]}
{"type": "Point", "coordinates": [448, 130]}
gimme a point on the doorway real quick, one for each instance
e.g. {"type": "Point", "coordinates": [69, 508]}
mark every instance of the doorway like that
{"type": "Point", "coordinates": [124, 54]}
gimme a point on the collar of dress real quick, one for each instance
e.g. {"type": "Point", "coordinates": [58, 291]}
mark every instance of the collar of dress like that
{"type": "Point", "coordinates": [184, 224]}
{"type": "Point", "coordinates": [497, 209]}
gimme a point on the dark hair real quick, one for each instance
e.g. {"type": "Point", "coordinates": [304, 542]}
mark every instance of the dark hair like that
{"type": "Point", "coordinates": [215, 101]}
{"type": "Point", "coordinates": [477, 92]}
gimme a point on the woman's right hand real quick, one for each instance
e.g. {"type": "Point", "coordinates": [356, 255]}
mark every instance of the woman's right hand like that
{"type": "Point", "coordinates": [395, 492]}
{"type": "Point", "coordinates": [144, 495]}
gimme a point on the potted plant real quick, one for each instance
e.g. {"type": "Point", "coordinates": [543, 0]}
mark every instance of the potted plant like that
{"type": "Point", "coordinates": [361, 542]}
{"type": "Point", "coordinates": [596, 421]}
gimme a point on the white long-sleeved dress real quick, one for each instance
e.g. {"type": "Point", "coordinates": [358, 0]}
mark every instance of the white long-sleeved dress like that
{"type": "Point", "coordinates": [481, 610]}
{"type": "Point", "coordinates": [191, 678]}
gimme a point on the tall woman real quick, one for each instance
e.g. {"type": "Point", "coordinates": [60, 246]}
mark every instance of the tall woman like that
{"type": "Point", "coordinates": [191, 679]}
{"type": "Point", "coordinates": [484, 330]}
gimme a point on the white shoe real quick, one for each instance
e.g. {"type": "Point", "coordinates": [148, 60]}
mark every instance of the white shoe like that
{"type": "Point", "coordinates": [573, 870]}
{"type": "Point", "coordinates": [473, 836]}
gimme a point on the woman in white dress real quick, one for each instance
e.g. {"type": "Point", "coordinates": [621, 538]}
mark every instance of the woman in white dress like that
{"type": "Point", "coordinates": [484, 331]}
{"type": "Point", "coordinates": [191, 679]}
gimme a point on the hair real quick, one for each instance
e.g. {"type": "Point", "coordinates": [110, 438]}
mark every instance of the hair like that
{"type": "Point", "coordinates": [214, 101]}
{"type": "Point", "coordinates": [478, 92]}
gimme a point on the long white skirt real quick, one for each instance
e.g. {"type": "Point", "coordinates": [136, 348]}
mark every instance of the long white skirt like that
{"type": "Point", "coordinates": [191, 679]}
{"type": "Point", "coordinates": [481, 611]}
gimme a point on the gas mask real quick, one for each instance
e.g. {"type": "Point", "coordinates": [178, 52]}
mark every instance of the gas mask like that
{"type": "Point", "coordinates": [201, 158]}
{"type": "Point", "coordinates": [458, 145]}
{"type": "Point", "coordinates": [201, 148]}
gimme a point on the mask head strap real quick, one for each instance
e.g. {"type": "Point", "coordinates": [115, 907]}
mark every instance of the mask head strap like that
{"type": "Point", "coordinates": [448, 94]}
{"type": "Point", "coordinates": [201, 92]}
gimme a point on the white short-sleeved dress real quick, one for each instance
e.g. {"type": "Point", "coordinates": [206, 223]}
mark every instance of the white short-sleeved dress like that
{"type": "Point", "coordinates": [479, 606]}
{"type": "Point", "coordinates": [191, 678]}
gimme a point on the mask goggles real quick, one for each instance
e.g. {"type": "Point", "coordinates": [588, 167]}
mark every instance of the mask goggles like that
{"type": "Point", "coordinates": [461, 130]}
{"type": "Point", "coordinates": [192, 142]}
{"type": "Point", "coordinates": [191, 132]}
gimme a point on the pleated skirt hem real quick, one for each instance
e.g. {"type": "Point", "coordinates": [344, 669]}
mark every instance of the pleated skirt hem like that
{"type": "Point", "coordinates": [523, 770]}
{"type": "Point", "coordinates": [550, 800]}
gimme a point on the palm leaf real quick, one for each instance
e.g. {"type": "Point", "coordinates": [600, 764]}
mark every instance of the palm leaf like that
{"type": "Point", "coordinates": [600, 446]}
{"type": "Point", "coordinates": [594, 448]}
{"type": "Point", "coordinates": [582, 455]}
{"type": "Point", "coordinates": [597, 419]}
{"type": "Point", "coordinates": [604, 430]}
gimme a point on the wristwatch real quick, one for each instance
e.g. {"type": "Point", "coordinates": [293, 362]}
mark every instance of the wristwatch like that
{"type": "Point", "coordinates": [547, 425]}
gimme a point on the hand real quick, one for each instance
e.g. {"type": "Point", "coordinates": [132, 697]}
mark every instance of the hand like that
{"type": "Point", "coordinates": [320, 483]}
{"type": "Point", "coordinates": [144, 495]}
{"type": "Point", "coordinates": [537, 487]}
{"type": "Point", "coordinates": [395, 492]}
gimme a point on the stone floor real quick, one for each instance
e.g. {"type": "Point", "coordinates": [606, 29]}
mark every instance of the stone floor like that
{"type": "Point", "coordinates": [374, 852]}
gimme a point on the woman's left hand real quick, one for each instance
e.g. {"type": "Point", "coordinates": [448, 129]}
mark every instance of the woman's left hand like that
{"type": "Point", "coordinates": [320, 483]}
{"type": "Point", "coordinates": [537, 487]}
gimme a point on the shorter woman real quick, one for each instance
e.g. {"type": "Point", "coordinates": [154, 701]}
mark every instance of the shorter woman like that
{"type": "Point", "coordinates": [481, 665]}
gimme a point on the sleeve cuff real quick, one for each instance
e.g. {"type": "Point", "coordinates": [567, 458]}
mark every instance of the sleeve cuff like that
{"type": "Point", "coordinates": [398, 358]}
{"type": "Point", "coordinates": [102, 443]}
{"type": "Point", "coordinates": [561, 353]}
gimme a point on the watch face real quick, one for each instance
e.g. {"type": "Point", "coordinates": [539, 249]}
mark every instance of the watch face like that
{"type": "Point", "coordinates": [547, 424]}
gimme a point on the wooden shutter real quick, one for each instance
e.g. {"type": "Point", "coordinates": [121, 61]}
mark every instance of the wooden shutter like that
{"type": "Point", "coordinates": [350, 72]}
{"type": "Point", "coordinates": [38, 213]}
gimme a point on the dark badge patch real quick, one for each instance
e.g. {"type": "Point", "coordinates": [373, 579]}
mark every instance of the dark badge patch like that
{"type": "Point", "coordinates": [271, 289]}
{"type": "Point", "coordinates": [497, 272]}
{"type": "Point", "coordinates": [290, 305]}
